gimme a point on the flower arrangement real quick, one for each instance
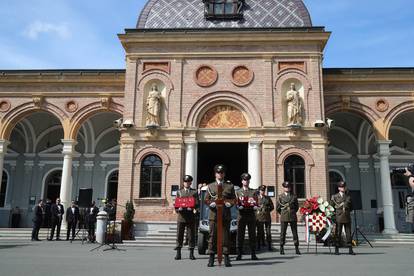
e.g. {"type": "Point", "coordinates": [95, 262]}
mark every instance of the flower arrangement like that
{"type": "Point", "coordinates": [317, 205]}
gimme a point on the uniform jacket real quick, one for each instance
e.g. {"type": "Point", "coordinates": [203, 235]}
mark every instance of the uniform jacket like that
{"type": "Point", "coordinates": [185, 215]}
{"type": "Point", "coordinates": [287, 206]}
{"type": "Point", "coordinates": [409, 208]}
{"type": "Point", "coordinates": [246, 213]}
{"type": "Point", "coordinates": [265, 208]}
{"type": "Point", "coordinates": [343, 207]}
{"type": "Point", "coordinates": [228, 193]}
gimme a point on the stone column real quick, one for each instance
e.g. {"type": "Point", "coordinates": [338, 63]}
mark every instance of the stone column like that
{"type": "Point", "coordinates": [66, 184]}
{"type": "Point", "coordinates": [386, 190]}
{"type": "Point", "coordinates": [3, 150]}
{"type": "Point", "coordinates": [255, 164]}
{"type": "Point", "coordinates": [191, 161]}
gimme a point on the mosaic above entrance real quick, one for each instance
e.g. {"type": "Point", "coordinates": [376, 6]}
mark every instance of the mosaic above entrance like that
{"type": "Point", "coordinates": [223, 116]}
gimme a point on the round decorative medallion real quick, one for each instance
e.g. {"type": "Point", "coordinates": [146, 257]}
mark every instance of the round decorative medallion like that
{"type": "Point", "coordinates": [382, 105]}
{"type": "Point", "coordinates": [205, 76]}
{"type": "Point", "coordinates": [71, 106]}
{"type": "Point", "coordinates": [241, 75]}
{"type": "Point", "coordinates": [4, 106]}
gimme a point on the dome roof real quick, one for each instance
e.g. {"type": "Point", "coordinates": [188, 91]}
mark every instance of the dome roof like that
{"type": "Point", "coordinates": [189, 14]}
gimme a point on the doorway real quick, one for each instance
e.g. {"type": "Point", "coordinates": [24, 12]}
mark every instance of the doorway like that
{"type": "Point", "coordinates": [52, 184]}
{"type": "Point", "coordinates": [234, 156]}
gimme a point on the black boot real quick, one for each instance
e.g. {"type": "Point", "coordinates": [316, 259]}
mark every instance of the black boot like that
{"type": "Point", "coordinates": [227, 261]}
{"type": "Point", "coordinates": [336, 250]}
{"type": "Point", "coordinates": [192, 254]}
{"type": "Point", "coordinates": [269, 247]}
{"type": "Point", "coordinates": [351, 252]}
{"type": "Point", "coordinates": [178, 255]}
{"type": "Point", "coordinates": [282, 250]}
{"type": "Point", "coordinates": [297, 250]}
{"type": "Point", "coordinates": [239, 254]}
{"type": "Point", "coordinates": [254, 257]}
{"type": "Point", "coordinates": [211, 260]}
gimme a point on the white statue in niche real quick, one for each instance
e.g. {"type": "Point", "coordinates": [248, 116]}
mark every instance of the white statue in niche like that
{"type": "Point", "coordinates": [294, 107]}
{"type": "Point", "coordinates": [153, 107]}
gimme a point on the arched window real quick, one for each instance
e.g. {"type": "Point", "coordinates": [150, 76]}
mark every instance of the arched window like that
{"type": "Point", "coordinates": [151, 175]}
{"type": "Point", "coordinates": [3, 190]}
{"type": "Point", "coordinates": [52, 185]}
{"type": "Point", "coordinates": [112, 192]}
{"type": "Point", "coordinates": [334, 178]}
{"type": "Point", "coordinates": [295, 173]}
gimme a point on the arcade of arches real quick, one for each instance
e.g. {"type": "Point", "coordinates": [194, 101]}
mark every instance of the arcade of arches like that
{"type": "Point", "coordinates": [255, 102]}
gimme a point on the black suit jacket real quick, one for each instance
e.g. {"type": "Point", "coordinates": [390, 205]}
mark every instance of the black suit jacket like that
{"type": "Point", "coordinates": [55, 211]}
{"type": "Point", "coordinates": [91, 217]}
{"type": "Point", "coordinates": [72, 217]}
{"type": "Point", "coordinates": [37, 214]}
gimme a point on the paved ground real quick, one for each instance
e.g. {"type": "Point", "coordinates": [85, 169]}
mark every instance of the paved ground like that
{"type": "Point", "coordinates": [62, 258]}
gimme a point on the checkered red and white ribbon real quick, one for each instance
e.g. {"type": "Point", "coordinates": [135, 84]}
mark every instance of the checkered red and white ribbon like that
{"type": "Point", "coordinates": [315, 223]}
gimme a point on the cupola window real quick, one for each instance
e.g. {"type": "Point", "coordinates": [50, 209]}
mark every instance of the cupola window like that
{"type": "Point", "coordinates": [223, 9]}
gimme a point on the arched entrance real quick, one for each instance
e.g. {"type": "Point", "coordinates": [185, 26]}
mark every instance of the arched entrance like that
{"type": "Point", "coordinates": [52, 185]}
{"type": "Point", "coordinates": [334, 178]}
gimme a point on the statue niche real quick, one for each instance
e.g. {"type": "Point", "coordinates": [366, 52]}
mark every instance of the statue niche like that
{"type": "Point", "coordinates": [223, 116]}
{"type": "Point", "coordinates": [153, 107]}
{"type": "Point", "coordinates": [294, 104]}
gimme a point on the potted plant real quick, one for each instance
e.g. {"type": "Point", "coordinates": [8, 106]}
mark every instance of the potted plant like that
{"type": "Point", "coordinates": [127, 222]}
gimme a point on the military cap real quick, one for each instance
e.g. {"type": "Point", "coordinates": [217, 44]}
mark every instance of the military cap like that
{"type": "Point", "coordinates": [219, 168]}
{"type": "Point", "coordinates": [286, 184]}
{"type": "Point", "coordinates": [341, 184]}
{"type": "Point", "coordinates": [245, 176]}
{"type": "Point", "coordinates": [262, 188]}
{"type": "Point", "coordinates": [187, 178]}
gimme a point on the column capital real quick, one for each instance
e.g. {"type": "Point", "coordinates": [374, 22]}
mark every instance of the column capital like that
{"type": "Point", "coordinates": [384, 148]}
{"type": "Point", "coordinates": [68, 146]}
{"type": "Point", "coordinates": [3, 146]}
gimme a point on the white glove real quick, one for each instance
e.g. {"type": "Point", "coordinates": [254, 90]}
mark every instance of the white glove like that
{"type": "Point", "coordinates": [180, 209]}
{"type": "Point", "coordinates": [241, 207]}
{"type": "Point", "coordinates": [212, 205]}
{"type": "Point", "coordinates": [255, 208]}
{"type": "Point", "coordinates": [228, 204]}
{"type": "Point", "coordinates": [189, 209]}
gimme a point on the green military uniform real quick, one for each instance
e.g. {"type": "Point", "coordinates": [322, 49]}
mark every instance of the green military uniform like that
{"type": "Point", "coordinates": [228, 193]}
{"type": "Point", "coordinates": [287, 206]}
{"type": "Point", "coordinates": [246, 218]}
{"type": "Point", "coordinates": [343, 207]}
{"type": "Point", "coordinates": [186, 219]}
{"type": "Point", "coordinates": [264, 221]}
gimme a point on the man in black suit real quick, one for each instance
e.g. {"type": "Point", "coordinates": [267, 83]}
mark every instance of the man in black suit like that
{"type": "Point", "coordinates": [37, 220]}
{"type": "Point", "coordinates": [47, 213]}
{"type": "Point", "coordinates": [57, 211]}
{"type": "Point", "coordinates": [90, 220]}
{"type": "Point", "coordinates": [72, 218]}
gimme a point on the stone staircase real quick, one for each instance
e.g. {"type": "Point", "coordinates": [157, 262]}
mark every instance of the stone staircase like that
{"type": "Point", "coordinates": [163, 234]}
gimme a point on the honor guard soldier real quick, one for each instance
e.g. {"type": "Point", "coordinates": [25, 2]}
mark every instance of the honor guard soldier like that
{"type": "Point", "coordinates": [212, 195]}
{"type": "Point", "coordinates": [247, 206]}
{"type": "Point", "coordinates": [287, 206]}
{"type": "Point", "coordinates": [343, 207]}
{"type": "Point", "coordinates": [185, 205]}
{"type": "Point", "coordinates": [263, 219]}
{"type": "Point", "coordinates": [409, 199]}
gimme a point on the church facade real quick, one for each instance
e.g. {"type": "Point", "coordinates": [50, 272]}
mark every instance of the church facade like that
{"type": "Point", "coordinates": [239, 83]}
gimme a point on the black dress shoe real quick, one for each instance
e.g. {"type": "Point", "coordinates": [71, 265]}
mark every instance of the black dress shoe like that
{"type": "Point", "coordinates": [50, 239]}
{"type": "Point", "coordinates": [211, 260]}
{"type": "Point", "coordinates": [58, 239]}
{"type": "Point", "coordinates": [254, 257]}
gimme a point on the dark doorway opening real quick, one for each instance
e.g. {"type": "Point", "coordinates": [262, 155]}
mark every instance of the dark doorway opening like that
{"type": "Point", "coordinates": [232, 155]}
{"type": "Point", "coordinates": [113, 186]}
{"type": "Point", "coordinates": [52, 183]}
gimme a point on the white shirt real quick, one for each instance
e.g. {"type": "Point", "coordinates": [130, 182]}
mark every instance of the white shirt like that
{"type": "Point", "coordinates": [73, 210]}
{"type": "Point", "coordinates": [341, 194]}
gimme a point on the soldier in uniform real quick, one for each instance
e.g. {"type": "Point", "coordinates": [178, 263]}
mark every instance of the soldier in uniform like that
{"type": "Point", "coordinates": [287, 206]}
{"type": "Point", "coordinates": [343, 207]}
{"type": "Point", "coordinates": [263, 219]}
{"type": "Point", "coordinates": [186, 218]}
{"type": "Point", "coordinates": [246, 217]}
{"type": "Point", "coordinates": [211, 195]}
